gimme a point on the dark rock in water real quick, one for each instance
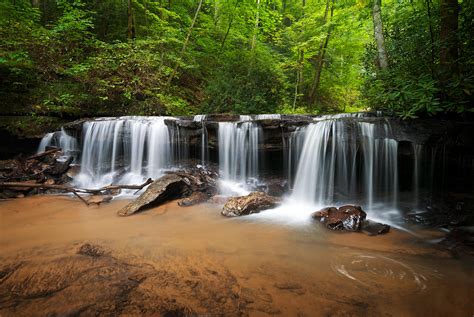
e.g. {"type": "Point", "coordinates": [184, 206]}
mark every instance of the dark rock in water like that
{"type": "Point", "coordinates": [460, 240]}
{"type": "Point", "coordinates": [250, 204]}
{"type": "Point", "coordinates": [194, 199]}
{"type": "Point", "coordinates": [373, 228]}
{"type": "Point", "coordinates": [347, 217]}
{"type": "Point", "coordinates": [168, 187]}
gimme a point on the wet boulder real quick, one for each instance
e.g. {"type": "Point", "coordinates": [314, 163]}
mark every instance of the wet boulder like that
{"type": "Point", "coordinates": [348, 217]}
{"type": "Point", "coordinates": [250, 204]}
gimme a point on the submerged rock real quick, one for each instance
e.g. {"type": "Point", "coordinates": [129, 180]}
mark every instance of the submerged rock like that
{"type": "Point", "coordinates": [373, 228]}
{"type": "Point", "coordinates": [250, 204]}
{"type": "Point", "coordinates": [347, 217]}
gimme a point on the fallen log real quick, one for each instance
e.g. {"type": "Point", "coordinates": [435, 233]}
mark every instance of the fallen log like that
{"type": "Point", "coordinates": [75, 191]}
{"type": "Point", "coordinates": [42, 154]}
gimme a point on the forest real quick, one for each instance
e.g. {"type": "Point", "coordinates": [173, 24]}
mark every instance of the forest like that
{"type": "Point", "coordinates": [76, 58]}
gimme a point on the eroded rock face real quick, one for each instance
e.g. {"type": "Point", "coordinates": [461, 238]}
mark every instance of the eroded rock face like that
{"type": "Point", "coordinates": [347, 217]}
{"type": "Point", "coordinates": [250, 204]}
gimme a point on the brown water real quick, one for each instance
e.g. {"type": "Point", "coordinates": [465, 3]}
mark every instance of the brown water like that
{"type": "Point", "coordinates": [173, 261]}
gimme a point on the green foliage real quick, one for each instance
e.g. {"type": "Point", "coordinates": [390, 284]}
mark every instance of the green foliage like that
{"type": "Point", "coordinates": [70, 58]}
{"type": "Point", "coordinates": [411, 86]}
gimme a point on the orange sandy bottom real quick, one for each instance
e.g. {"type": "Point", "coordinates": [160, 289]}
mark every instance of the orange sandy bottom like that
{"type": "Point", "coordinates": [175, 261]}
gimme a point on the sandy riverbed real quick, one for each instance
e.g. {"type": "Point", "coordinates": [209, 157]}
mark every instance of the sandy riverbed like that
{"type": "Point", "coordinates": [61, 257]}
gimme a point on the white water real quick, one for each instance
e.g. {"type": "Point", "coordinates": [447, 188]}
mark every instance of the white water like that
{"type": "Point", "coordinates": [328, 174]}
{"type": "Point", "coordinates": [238, 153]}
{"type": "Point", "coordinates": [332, 161]}
{"type": "Point", "coordinates": [60, 139]}
{"type": "Point", "coordinates": [141, 147]}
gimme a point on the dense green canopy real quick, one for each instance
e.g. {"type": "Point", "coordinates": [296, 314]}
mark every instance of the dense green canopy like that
{"type": "Point", "coordinates": [71, 58]}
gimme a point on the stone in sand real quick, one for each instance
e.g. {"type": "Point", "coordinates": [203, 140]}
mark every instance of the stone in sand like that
{"type": "Point", "coordinates": [250, 204]}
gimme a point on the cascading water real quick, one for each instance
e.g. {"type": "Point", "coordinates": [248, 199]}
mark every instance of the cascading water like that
{"type": "Point", "coordinates": [328, 169]}
{"type": "Point", "coordinates": [204, 139]}
{"type": "Point", "coordinates": [238, 151]}
{"type": "Point", "coordinates": [60, 139]}
{"type": "Point", "coordinates": [125, 150]}
{"type": "Point", "coordinates": [328, 160]}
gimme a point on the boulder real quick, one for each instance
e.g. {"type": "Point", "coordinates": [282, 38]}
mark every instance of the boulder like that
{"type": "Point", "coordinates": [348, 217]}
{"type": "Point", "coordinates": [194, 199]}
{"type": "Point", "coordinates": [373, 228]}
{"type": "Point", "coordinates": [168, 187]}
{"type": "Point", "coordinates": [250, 204]}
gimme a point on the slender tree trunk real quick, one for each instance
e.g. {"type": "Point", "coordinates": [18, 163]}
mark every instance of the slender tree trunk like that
{"type": "Point", "coordinates": [378, 34]}
{"type": "Point", "coordinates": [130, 24]}
{"type": "Point", "coordinates": [255, 30]}
{"type": "Point", "coordinates": [299, 69]}
{"type": "Point", "coordinates": [430, 25]}
{"type": "Point", "coordinates": [448, 39]}
{"type": "Point", "coordinates": [320, 59]}
{"type": "Point", "coordinates": [34, 3]}
{"type": "Point", "coordinates": [185, 44]}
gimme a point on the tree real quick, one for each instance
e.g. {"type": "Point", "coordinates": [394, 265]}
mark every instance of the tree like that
{"type": "Point", "coordinates": [319, 63]}
{"type": "Point", "coordinates": [378, 34]}
{"type": "Point", "coordinates": [449, 48]}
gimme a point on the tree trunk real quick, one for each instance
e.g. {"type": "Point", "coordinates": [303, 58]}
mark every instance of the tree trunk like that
{"type": "Point", "coordinates": [191, 27]}
{"type": "Point", "coordinates": [130, 24]}
{"type": "Point", "coordinates": [320, 58]}
{"type": "Point", "coordinates": [299, 70]}
{"type": "Point", "coordinates": [35, 3]}
{"type": "Point", "coordinates": [257, 17]}
{"type": "Point", "coordinates": [428, 9]}
{"type": "Point", "coordinates": [378, 34]}
{"type": "Point", "coordinates": [448, 39]}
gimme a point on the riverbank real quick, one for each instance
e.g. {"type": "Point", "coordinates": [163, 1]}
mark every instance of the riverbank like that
{"type": "Point", "coordinates": [59, 256]}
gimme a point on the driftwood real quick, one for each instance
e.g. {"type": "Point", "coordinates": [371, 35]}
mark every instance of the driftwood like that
{"type": "Point", "coordinates": [75, 191]}
{"type": "Point", "coordinates": [43, 154]}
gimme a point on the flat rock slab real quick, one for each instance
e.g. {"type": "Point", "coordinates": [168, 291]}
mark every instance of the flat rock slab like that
{"type": "Point", "coordinates": [168, 187]}
{"type": "Point", "coordinates": [250, 204]}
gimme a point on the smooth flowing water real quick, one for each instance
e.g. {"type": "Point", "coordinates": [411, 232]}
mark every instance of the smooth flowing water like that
{"type": "Point", "coordinates": [334, 159]}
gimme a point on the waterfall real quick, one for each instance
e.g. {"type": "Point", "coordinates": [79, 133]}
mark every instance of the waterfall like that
{"type": "Point", "coordinates": [45, 141]}
{"type": "Point", "coordinates": [125, 150]}
{"type": "Point", "coordinates": [238, 150]}
{"type": "Point", "coordinates": [347, 158]}
{"type": "Point", "coordinates": [61, 139]}
{"type": "Point", "coordinates": [204, 140]}
{"type": "Point", "coordinates": [328, 166]}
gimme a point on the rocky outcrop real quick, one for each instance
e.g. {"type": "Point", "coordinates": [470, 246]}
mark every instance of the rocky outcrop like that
{"type": "Point", "coordinates": [250, 204]}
